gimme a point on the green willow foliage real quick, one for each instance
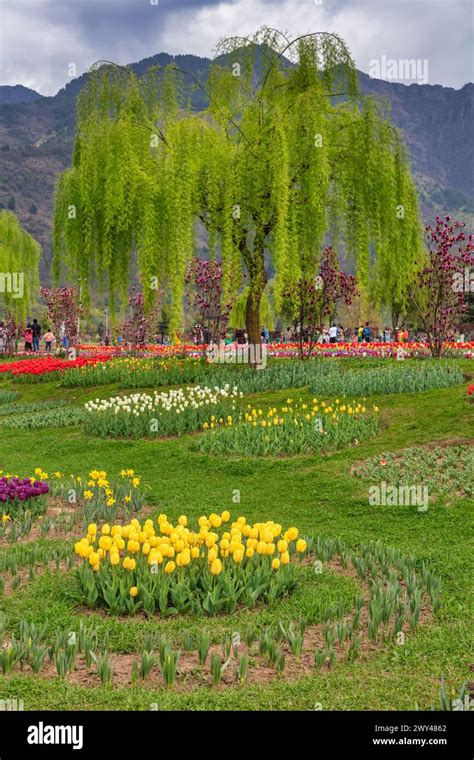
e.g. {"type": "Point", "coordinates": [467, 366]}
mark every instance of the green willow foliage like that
{"type": "Point", "coordinates": [285, 155]}
{"type": "Point", "coordinates": [19, 255]}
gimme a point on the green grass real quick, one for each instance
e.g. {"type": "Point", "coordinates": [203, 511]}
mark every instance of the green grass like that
{"type": "Point", "coordinates": [316, 493]}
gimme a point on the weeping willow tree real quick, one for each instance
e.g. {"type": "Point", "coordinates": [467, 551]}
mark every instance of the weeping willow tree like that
{"type": "Point", "coordinates": [285, 155]}
{"type": "Point", "coordinates": [19, 266]}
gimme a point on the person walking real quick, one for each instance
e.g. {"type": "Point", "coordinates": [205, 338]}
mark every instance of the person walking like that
{"type": "Point", "coordinates": [36, 335]}
{"type": "Point", "coordinates": [333, 333]}
{"type": "Point", "coordinates": [48, 341]}
{"type": "Point", "coordinates": [366, 333]}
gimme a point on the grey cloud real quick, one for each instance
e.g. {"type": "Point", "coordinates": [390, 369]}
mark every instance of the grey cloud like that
{"type": "Point", "coordinates": [40, 38]}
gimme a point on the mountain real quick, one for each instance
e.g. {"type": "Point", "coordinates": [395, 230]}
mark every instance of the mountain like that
{"type": "Point", "coordinates": [437, 123]}
{"type": "Point", "coordinates": [17, 94]}
{"type": "Point", "coordinates": [37, 135]}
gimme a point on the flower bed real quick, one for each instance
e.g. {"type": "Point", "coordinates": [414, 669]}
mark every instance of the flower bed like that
{"type": "Point", "coordinates": [178, 570]}
{"type": "Point", "coordinates": [391, 595]}
{"type": "Point", "coordinates": [54, 417]}
{"type": "Point", "coordinates": [290, 349]}
{"type": "Point", "coordinates": [386, 380]}
{"type": "Point", "coordinates": [30, 407]}
{"type": "Point", "coordinates": [167, 413]}
{"type": "Point", "coordinates": [18, 494]}
{"type": "Point", "coordinates": [446, 471]}
{"type": "Point", "coordinates": [31, 370]}
{"type": "Point", "coordinates": [6, 397]}
{"type": "Point", "coordinates": [296, 428]}
{"type": "Point", "coordinates": [136, 373]}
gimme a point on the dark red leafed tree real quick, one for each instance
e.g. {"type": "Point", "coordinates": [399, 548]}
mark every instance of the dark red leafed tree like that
{"type": "Point", "coordinates": [311, 301]}
{"type": "Point", "coordinates": [140, 324]}
{"type": "Point", "coordinates": [442, 287]}
{"type": "Point", "coordinates": [64, 311]}
{"type": "Point", "coordinates": [204, 294]}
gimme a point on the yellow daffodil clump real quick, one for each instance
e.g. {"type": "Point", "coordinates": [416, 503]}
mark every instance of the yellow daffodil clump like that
{"type": "Point", "coordinates": [104, 497]}
{"type": "Point", "coordinates": [214, 566]}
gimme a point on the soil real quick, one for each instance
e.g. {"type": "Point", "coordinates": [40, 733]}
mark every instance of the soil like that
{"type": "Point", "coordinates": [55, 509]}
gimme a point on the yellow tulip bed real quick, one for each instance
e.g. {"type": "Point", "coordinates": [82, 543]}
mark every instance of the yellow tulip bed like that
{"type": "Point", "coordinates": [293, 428]}
{"type": "Point", "coordinates": [173, 569]}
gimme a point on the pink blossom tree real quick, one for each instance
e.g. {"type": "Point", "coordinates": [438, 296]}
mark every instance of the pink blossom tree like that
{"type": "Point", "coordinates": [310, 301]}
{"type": "Point", "coordinates": [140, 324]}
{"type": "Point", "coordinates": [439, 296]}
{"type": "Point", "coordinates": [64, 311]}
{"type": "Point", "coordinates": [204, 281]}
{"type": "Point", "coordinates": [11, 330]}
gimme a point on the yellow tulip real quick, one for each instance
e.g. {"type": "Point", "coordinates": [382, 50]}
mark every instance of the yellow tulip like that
{"type": "Point", "coordinates": [292, 534]}
{"type": "Point", "coordinates": [216, 567]}
{"type": "Point", "coordinates": [301, 546]}
{"type": "Point", "coordinates": [170, 567]}
{"type": "Point", "coordinates": [133, 591]}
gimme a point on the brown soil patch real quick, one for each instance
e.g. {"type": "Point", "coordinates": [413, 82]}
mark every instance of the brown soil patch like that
{"type": "Point", "coordinates": [56, 508]}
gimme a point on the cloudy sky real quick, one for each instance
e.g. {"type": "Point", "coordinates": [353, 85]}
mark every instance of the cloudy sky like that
{"type": "Point", "coordinates": [40, 39]}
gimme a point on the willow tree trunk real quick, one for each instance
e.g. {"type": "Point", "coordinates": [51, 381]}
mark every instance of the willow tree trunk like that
{"type": "Point", "coordinates": [258, 281]}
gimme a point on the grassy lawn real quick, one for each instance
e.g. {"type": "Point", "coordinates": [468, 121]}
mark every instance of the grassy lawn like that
{"type": "Point", "coordinates": [316, 493]}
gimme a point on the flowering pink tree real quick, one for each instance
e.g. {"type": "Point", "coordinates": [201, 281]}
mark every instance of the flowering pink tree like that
{"type": "Point", "coordinates": [439, 297]}
{"type": "Point", "coordinates": [140, 324]}
{"type": "Point", "coordinates": [11, 330]}
{"type": "Point", "coordinates": [310, 301]}
{"type": "Point", "coordinates": [205, 296]}
{"type": "Point", "coordinates": [64, 309]}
